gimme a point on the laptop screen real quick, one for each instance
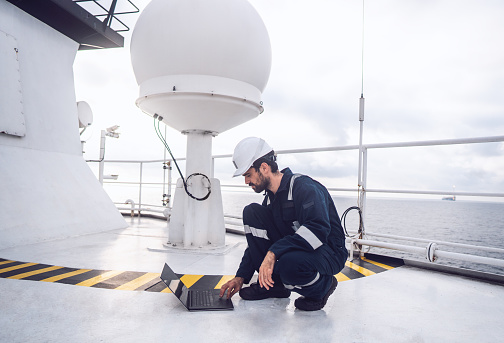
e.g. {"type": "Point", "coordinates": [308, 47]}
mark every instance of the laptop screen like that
{"type": "Point", "coordinates": [179, 289]}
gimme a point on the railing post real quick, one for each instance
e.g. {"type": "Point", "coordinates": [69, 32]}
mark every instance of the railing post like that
{"type": "Point", "coordinates": [362, 205]}
{"type": "Point", "coordinates": [101, 161]}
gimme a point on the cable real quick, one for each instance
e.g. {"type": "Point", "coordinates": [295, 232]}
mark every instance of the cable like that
{"type": "Point", "coordinates": [361, 222]}
{"type": "Point", "coordinates": [359, 231]}
{"type": "Point", "coordinates": [160, 136]}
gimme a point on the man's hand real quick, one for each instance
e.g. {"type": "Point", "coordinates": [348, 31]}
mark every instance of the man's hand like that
{"type": "Point", "coordinates": [266, 270]}
{"type": "Point", "coordinates": [232, 286]}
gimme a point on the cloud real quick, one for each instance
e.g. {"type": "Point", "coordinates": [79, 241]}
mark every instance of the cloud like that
{"type": "Point", "coordinates": [432, 70]}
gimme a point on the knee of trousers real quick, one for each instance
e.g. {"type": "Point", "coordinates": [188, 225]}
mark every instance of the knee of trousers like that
{"type": "Point", "coordinates": [294, 273]}
{"type": "Point", "coordinates": [255, 214]}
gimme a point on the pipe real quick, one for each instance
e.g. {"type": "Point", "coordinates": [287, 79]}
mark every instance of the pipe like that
{"type": "Point", "coordinates": [436, 254]}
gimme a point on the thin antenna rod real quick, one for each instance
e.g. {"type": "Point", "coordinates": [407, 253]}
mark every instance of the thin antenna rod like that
{"type": "Point", "coordinates": [362, 52]}
{"type": "Point", "coordinates": [362, 177]}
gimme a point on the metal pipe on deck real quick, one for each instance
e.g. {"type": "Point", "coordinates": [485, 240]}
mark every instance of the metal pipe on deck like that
{"type": "Point", "coordinates": [436, 253]}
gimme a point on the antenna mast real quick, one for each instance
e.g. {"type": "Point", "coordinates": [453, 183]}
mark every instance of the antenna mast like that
{"type": "Point", "coordinates": [362, 152]}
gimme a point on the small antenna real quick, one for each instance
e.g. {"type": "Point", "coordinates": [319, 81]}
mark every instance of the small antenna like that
{"type": "Point", "coordinates": [362, 53]}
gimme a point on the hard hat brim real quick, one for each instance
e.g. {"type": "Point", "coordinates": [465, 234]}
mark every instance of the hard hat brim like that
{"type": "Point", "coordinates": [241, 171]}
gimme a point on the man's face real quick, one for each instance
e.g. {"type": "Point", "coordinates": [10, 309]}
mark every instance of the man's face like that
{"type": "Point", "coordinates": [256, 180]}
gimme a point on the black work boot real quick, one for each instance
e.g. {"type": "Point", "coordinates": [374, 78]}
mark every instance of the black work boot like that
{"type": "Point", "coordinates": [256, 292]}
{"type": "Point", "coordinates": [311, 304]}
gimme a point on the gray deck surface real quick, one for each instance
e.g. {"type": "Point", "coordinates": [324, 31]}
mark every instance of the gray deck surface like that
{"type": "Point", "coordinates": [405, 304]}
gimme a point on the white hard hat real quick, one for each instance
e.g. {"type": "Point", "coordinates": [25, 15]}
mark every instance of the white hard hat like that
{"type": "Point", "coordinates": [247, 151]}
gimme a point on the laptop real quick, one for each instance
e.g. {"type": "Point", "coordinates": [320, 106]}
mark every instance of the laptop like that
{"type": "Point", "coordinates": [195, 300]}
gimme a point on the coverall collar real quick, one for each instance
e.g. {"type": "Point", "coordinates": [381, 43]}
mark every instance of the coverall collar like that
{"type": "Point", "coordinates": [284, 183]}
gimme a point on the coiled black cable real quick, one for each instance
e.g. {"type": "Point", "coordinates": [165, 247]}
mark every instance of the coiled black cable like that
{"type": "Point", "coordinates": [160, 136]}
{"type": "Point", "coordinates": [361, 222]}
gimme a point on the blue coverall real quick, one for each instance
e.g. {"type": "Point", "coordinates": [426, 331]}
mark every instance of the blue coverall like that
{"type": "Point", "coordinates": [301, 226]}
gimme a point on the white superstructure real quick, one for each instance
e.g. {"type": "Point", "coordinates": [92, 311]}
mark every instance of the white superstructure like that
{"type": "Point", "coordinates": [47, 190]}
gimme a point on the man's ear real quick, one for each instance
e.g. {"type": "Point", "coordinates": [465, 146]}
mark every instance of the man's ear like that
{"type": "Point", "coordinates": [265, 167]}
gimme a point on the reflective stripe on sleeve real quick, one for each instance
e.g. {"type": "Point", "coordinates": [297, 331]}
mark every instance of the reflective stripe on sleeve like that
{"type": "Point", "coordinates": [256, 232]}
{"type": "Point", "coordinates": [309, 237]}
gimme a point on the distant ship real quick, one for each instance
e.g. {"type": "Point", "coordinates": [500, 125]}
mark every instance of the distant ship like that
{"type": "Point", "coordinates": [451, 198]}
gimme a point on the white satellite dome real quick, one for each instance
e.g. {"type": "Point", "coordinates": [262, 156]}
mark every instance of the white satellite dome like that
{"type": "Point", "coordinates": [201, 64]}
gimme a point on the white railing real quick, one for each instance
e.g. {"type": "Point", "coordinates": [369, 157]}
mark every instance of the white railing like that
{"type": "Point", "coordinates": [431, 251]}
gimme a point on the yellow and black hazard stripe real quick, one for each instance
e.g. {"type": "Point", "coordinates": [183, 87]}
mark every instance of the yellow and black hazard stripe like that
{"type": "Point", "coordinates": [367, 266]}
{"type": "Point", "coordinates": [150, 282]}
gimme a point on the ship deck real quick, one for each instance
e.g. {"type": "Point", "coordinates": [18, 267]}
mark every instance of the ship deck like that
{"type": "Point", "coordinates": [105, 287]}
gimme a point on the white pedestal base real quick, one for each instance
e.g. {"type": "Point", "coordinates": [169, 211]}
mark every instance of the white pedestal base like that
{"type": "Point", "coordinates": [197, 224]}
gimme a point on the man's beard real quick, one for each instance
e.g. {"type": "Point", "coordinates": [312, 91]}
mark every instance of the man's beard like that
{"type": "Point", "coordinates": [264, 183]}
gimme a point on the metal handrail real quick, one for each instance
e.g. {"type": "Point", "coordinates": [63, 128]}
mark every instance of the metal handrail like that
{"type": "Point", "coordinates": [111, 13]}
{"type": "Point", "coordinates": [490, 139]}
{"type": "Point", "coordinates": [431, 252]}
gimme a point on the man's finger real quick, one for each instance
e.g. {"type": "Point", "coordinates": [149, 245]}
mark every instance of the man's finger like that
{"type": "Point", "coordinates": [268, 281]}
{"type": "Point", "coordinates": [264, 280]}
{"type": "Point", "coordinates": [222, 290]}
{"type": "Point", "coordinates": [232, 292]}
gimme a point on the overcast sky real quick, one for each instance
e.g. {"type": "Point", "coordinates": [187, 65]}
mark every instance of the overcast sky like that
{"type": "Point", "coordinates": [432, 70]}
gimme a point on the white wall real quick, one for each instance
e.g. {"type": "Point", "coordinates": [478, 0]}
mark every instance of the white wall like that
{"type": "Point", "coordinates": [47, 190]}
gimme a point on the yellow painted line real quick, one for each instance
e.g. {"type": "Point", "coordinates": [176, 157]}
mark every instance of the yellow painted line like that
{"type": "Point", "coordinates": [190, 280]}
{"type": "Point", "coordinates": [166, 290]}
{"type": "Point", "coordinates": [377, 263]}
{"type": "Point", "coordinates": [35, 272]}
{"type": "Point", "coordinates": [66, 275]}
{"type": "Point", "coordinates": [19, 266]}
{"type": "Point", "coordinates": [139, 281]}
{"type": "Point", "coordinates": [360, 269]}
{"type": "Point", "coordinates": [341, 277]}
{"type": "Point", "coordinates": [5, 262]}
{"type": "Point", "coordinates": [223, 280]}
{"type": "Point", "coordinates": [99, 278]}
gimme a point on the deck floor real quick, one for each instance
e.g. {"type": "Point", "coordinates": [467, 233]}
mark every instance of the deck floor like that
{"type": "Point", "coordinates": [404, 304]}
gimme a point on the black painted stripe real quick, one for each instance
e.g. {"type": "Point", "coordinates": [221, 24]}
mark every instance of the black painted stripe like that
{"type": "Point", "coordinates": [46, 275]}
{"type": "Point", "coordinates": [207, 282]}
{"type": "Point", "coordinates": [118, 280]}
{"type": "Point", "coordinates": [21, 270]}
{"type": "Point", "coordinates": [351, 273]}
{"type": "Point", "coordinates": [393, 262]}
{"type": "Point", "coordinates": [10, 264]}
{"type": "Point", "coordinates": [372, 267]}
{"type": "Point", "coordinates": [157, 287]}
{"type": "Point", "coordinates": [75, 279]}
{"type": "Point", "coordinates": [149, 285]}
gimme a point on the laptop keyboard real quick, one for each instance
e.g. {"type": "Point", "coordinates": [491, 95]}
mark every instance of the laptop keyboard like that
{"type": "Point", "coordinates": [203, 298]}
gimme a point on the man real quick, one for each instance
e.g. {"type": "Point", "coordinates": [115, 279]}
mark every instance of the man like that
{"type": "Point", "coordinates": [295, 239]}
